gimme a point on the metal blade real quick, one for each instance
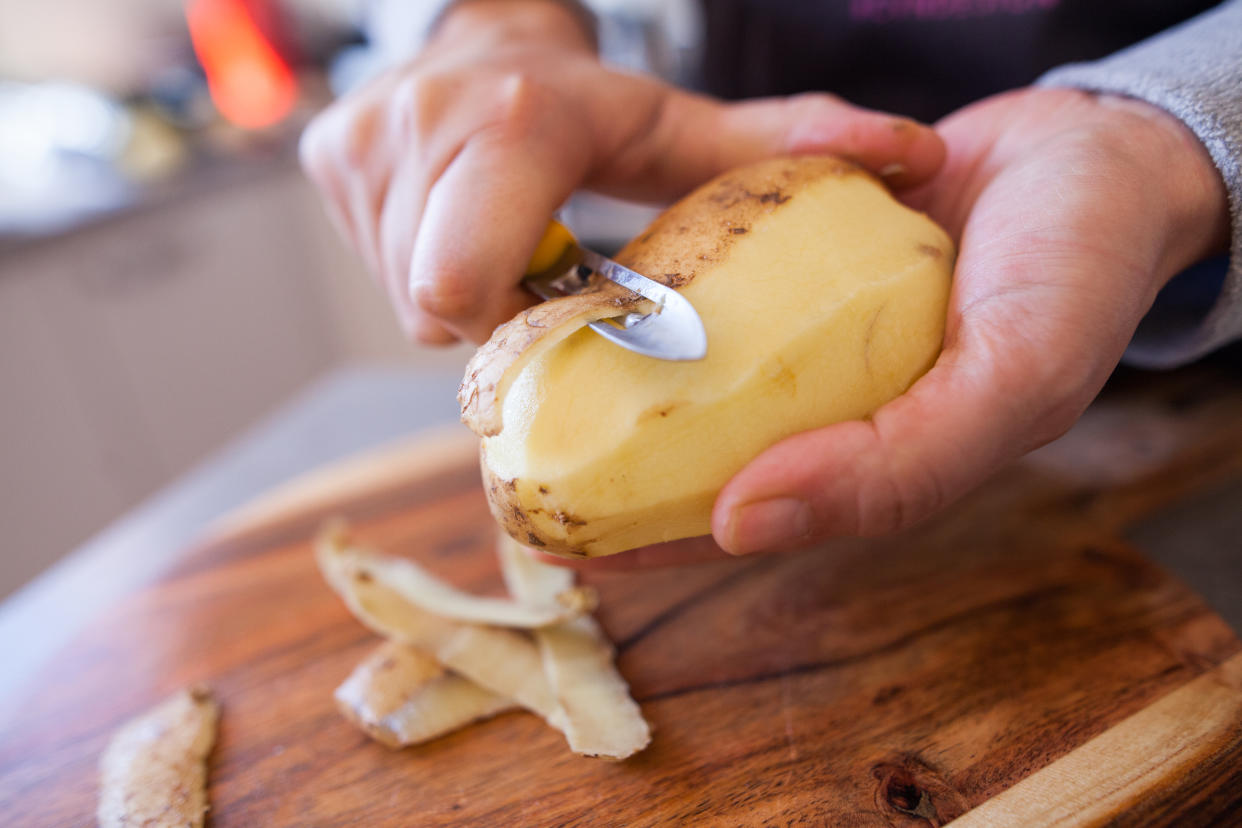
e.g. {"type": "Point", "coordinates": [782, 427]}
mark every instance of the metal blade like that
{"type": "Point", "coordinates": [673, 331]}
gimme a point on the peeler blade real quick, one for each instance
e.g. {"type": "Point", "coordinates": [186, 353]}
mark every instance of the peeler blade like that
{"type": "Point", "coordinates": [672, 331]}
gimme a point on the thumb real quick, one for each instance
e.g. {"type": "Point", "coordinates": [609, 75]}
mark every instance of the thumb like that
{"type": "Point", "coordinates": [696, 138]}
{"type": "Point", "coordinates": [959, 423]}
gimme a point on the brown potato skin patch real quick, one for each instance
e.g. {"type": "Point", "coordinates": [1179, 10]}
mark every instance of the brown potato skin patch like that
{"type": "Point", "coordinates": [515, 518]}
{"type": "Point", "coordinates": [568, 519]}
{"type": "Point", "coordinates": [701, 228]}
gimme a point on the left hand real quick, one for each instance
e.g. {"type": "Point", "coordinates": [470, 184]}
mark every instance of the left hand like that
{"type": "Point", "coordinates": [1070, 211]}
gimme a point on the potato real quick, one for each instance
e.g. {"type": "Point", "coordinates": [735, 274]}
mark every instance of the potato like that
{"type": "Point", "coordinates": [823, 298]}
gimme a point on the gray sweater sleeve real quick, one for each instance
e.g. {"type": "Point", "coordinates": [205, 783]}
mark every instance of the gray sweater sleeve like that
{"type": "Point", "coordinates": [1194, 72]}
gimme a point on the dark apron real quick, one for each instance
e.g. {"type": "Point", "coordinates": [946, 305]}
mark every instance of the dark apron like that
{"type": "Point", "coordinates": [922, 58]}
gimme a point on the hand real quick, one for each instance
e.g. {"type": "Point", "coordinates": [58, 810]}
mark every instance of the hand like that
{"type": "Point", "coordinates": [1070, 212]}
{"type": "Point", "coordinates": [443, 173]}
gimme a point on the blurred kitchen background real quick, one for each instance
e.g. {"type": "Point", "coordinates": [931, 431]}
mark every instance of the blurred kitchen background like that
{"type": "Point", "coordinates": [167, 276]}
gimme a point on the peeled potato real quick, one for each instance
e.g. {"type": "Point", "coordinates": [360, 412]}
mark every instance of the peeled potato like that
{"type": "Point", "coordinates": [823, 298]}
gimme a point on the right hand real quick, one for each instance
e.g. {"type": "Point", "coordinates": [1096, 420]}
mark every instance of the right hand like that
{"type": "Point", "coordinates": [443, 173]}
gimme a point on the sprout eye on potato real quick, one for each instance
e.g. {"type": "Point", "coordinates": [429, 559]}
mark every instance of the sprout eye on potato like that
{"type": "Point", "coordinates": [823, 298]}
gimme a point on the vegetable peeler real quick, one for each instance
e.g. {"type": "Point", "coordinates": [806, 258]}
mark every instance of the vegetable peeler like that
{"type": "Point", "coordinates": [561, 267]}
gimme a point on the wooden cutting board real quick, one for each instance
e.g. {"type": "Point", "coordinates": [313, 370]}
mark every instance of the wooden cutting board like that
{"type": "Point", "coordinates": [1014, 656]}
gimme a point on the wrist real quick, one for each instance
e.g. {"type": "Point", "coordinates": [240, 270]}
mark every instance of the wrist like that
{"type": "Point", "coordinates": [563, 23]}
{"type": "Point", "coordinates": [1194, 201]}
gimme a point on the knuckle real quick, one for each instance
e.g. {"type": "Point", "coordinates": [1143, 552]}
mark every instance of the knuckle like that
{"type": "Point", "coordinates": [357, 136]}
{"type": "Point", "coordinates": [1065, 387]}
{"type": "Point", "coordinates": [813, 104]}
{"type": "Point", "coordinates": [880, 509]}
{"type": "Point", "coordinates": [520, 98]}
{"type": "Point", "coordinates": [893, 497]}
{"type": "Point", "coordinates": [341, 136]}
{"type": "Point", "coordinates": [418, 102]}
{"type": "Point", "coordinates": [920, 495]}
{"type": "Point", "coordinates": [428, 332]}
{"type": "Point", "coordinates": [1062, 410]}
{"type": "Point", "coordinates": [1057, 379]}
{"type": "Point", "coordinates": [448, 295]}
{"type": "Point", "coordinates": [416, 325]}
{"type": "Point", "coordinates": [500, 105]}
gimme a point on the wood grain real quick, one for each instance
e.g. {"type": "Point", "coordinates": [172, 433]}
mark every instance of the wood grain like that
{"type": "Point", "coordinates": [894, 682]}
{"type": "Point", "coordinates": [1186, 746]}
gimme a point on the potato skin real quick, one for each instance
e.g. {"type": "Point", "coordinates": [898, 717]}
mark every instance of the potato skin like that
{"type": "Point", "coordinates": [518, 518]}
{"type": "Point", "coordinates": [697, 232]}
{"type": "Point", "coordinates": [506, 507]}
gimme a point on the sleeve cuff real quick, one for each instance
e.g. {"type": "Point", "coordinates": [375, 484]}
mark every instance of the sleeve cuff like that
{"type": "Point", "coordinates": [1194, 72]}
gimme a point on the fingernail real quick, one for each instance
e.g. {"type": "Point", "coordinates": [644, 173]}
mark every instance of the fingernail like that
{"type": "Point", "coordinates": [893, 170]}
{"type": "Point", "coordinates": [768, 523]}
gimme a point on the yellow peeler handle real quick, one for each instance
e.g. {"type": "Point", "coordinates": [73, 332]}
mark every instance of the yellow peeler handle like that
{"type": "Point", "coordinates": [553, 244]}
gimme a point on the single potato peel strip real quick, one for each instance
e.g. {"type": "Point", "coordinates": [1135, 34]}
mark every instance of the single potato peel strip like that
{"type": "Point", "coordinates": [599, 717]}
{"type": "Point", "coordinates": [443, 706]}
{"type": "Point", "coordinates": [415, 585]}
{"type": "Point", "coordinates": [399, 697]}
{"type": "Point", "coordinates": [514, 344]}
{"type": "Point", "coordinates": [154, 770]}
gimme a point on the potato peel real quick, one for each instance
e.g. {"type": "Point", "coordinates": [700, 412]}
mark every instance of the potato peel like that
{"type": "Point", "coordinates": [514, 344]}
{"type": "Point", "coordinates": [420, 588]}
{"type": "Point", "coordinates": [436, 674]}
{"type": "Point", "coordinates": [597, 713]}
{"type": "Point", "coordinates": [503, 661]}
{"type": "Point", "coordinates": [154, 770]}
{"type": "Point", "coordinates": [400, 697]}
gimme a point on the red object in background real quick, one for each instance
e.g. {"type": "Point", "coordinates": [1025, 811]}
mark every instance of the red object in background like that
{"type": "Point", "coordinates": [250, 83]}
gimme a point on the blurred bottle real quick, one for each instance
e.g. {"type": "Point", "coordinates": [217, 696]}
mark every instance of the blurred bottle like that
{"type": "Point", "coordinates": [251, 81]}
